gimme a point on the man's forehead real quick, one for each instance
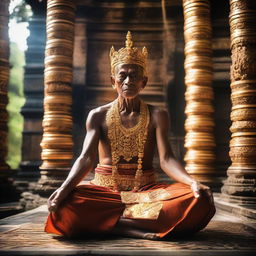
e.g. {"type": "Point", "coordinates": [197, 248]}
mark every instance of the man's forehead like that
{"type": "Point", "coordinates": [128, 67]}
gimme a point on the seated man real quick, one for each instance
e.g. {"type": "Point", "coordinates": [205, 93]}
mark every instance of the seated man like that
{"type": "Point", "coordinates": [124, 197]}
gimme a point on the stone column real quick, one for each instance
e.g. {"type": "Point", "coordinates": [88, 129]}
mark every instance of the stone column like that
{"type": "Point", "coordinates": [240, 184]}
{"type": "Point", "coordinates": [199, 124]}
{"type": "Point", "coordinates": [4, 79]}
{"type": "Point", "coordinates": [57, 140]}
{"type": "Point", "coordinates": [32, 110]}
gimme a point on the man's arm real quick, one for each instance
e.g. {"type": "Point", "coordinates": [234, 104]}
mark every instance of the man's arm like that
{"type": "Point", "coordinates": [168, 163]}
{"type": "Point", "coordinates": [83, 164]}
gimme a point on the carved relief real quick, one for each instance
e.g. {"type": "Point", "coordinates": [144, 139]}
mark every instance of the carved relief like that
{"type": "Point", "coordinates": [244, 100]}
{"type": "Point", "coordinates": [238, 5]}
{"type": "Point", "coordinates": [56, 87]}
{"type": "Point", "coordinates": [239, 126]}
{"type": "Point", "coordinates": [243, 114]}
{"type": "Point", "coordinates": [59, 50]}
{"type": "Point", "coordinates": [243, 85]}
{"type": "Point", "coordinates": [243, 62]}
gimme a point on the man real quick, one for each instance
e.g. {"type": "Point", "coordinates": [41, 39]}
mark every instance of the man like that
{"type": "Point", "coordinates": [124, 197]}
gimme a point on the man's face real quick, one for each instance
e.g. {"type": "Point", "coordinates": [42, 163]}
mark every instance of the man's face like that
{"type": "Point", "coordinates": [128, 80]}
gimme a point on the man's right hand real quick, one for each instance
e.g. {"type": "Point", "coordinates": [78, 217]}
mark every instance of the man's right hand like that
{"type": "Point", "coordinates": [56, 198]}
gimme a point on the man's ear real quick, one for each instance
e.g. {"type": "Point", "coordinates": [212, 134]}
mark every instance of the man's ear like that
{"type": "Point", "coordinates": [144, 82]}
{"type": "Point", "coordinates": [113, 82]}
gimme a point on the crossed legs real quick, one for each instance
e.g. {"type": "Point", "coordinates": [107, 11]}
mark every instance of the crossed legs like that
{"type": "Point", "coordinates": [131, 228]}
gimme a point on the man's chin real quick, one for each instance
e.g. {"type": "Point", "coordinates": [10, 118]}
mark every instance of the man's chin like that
{"type": "Point", "coordinates": [129, 96]}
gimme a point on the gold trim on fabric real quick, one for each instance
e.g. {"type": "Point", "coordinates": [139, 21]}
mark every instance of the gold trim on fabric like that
{"type": "Point", "coordinates": [125, 182]}
{"type": "Point", "coordinates": [143, 210]}
{"type": "Point", "coordinates": [119, 166]}
{"type": "Point", "coordinates": [145, 197]}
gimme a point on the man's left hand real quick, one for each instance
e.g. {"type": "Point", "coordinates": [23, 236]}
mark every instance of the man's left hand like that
{"type": "Point", "coordinates": [198, 188]}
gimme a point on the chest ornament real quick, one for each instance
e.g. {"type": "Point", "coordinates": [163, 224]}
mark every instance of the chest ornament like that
{"type": "Point", "coordinates": [127, 142]}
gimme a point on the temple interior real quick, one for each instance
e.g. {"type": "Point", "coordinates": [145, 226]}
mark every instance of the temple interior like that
{"type": "Point", "coordinates": [201, 68]}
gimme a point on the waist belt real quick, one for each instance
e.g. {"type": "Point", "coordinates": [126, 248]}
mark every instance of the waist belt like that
{"type": "Point", "coordinates": [126, 177]}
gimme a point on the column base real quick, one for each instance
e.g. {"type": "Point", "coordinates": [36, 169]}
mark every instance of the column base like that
{"type": "Point", "coordinates": [247, 201]}
{"type": "Point", "coordinates": [51, 179]}
{"type": "Point", "coordinates": [37, 193]}
{"type": "Point", "coordinates": [27, 175]}
{"type": "Point", "coordinates": [236, 205]}
{"type": "Point", "coordinates": [240, 185]}
{"type": "Point", "coordinates": [30, 200]}
{"type": "Point", "coordinates": [238, 194]}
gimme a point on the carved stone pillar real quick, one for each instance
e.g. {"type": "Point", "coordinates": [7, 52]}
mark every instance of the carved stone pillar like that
{"type": "Point", "coordinates": [57, 140]}
{"type": "Point", "coordinates": [199, 124]}
{"type": "Point", "coordinates": [240, 184]}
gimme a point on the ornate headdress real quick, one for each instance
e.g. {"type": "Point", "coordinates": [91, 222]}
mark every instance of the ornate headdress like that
{"type": "Point", "coordinates": [128, 55]}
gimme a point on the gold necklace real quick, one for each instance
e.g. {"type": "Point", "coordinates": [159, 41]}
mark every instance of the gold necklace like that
{"type": "Point", "coordinates": [127, 142]}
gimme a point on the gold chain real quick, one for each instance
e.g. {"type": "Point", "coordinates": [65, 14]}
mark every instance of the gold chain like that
{"type": "Point", "coordinates": [127, 142]}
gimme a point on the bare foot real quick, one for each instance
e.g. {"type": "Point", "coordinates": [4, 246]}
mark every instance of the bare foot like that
{"type": "Point", "coordinates": [151, 236]}
{"type": "Point", "coordinates": [134, 233]}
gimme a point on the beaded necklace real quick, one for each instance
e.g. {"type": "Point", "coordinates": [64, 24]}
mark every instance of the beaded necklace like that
{"type": "Point", "coordinates": [127, 142]}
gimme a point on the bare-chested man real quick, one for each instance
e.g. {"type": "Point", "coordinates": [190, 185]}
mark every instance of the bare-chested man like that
{"type": "Point", "coordinates": [124, 197]}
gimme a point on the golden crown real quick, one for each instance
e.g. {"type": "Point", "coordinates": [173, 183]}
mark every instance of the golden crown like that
{"type": "Point", "coordinates": [128, 55]}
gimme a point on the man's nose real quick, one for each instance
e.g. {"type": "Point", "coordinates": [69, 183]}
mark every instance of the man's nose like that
{"type": "Point", "coordinates": [128, 80]}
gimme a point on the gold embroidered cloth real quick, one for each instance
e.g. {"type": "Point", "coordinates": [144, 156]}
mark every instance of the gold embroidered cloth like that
{"type": "Point", "coordinates": [148, 211]}
{"type": "Point", "coordinates": [138, 205]}
{"type": "Point", "coordinates": [126, 178]}
{"type": "Point", "coordinates": [144, 204]}
{"type": "Point", "coordinates": [129, 197]}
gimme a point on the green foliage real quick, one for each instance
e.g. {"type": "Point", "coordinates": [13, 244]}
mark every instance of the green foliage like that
{"type": "Point", "coordinates": [21, 12]}
{"type": "Point", "coordinates": [16, 101]}
{"type": "Point", "coordinates": [17, 62]}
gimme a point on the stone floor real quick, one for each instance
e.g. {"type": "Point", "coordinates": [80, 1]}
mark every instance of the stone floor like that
{"type": "Point", "coordinates": [23, 234]}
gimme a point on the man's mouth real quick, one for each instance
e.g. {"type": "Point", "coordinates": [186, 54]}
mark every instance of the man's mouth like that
{"type": "Point", "coordinates": [128, 89]}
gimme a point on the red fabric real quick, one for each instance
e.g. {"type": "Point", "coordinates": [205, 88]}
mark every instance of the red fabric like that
{"type": "Point", "coordinates": [96, 209]}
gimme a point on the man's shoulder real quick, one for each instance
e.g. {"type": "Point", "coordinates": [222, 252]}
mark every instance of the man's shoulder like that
{"type": "Point", "coordinates": [100, 110]}
{"type": "Point", "coordinates": [156, 110]}
{"type": "Point", "coordinates": [98, 114]}
{"type": "Point", "coordinates": [159, 115]}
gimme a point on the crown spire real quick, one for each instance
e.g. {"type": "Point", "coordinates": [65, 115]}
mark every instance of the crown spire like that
{"type": "Point", "coordinates": [129, 42]}
{"type": "Point", "coordinates": [128, 55]}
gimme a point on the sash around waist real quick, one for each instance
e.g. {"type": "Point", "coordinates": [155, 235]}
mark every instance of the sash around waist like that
{"type": "Point", "coordinates": [126, 176]}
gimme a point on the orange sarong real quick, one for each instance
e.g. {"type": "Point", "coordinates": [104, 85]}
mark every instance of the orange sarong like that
{"type": "Point", "coordinates": [96, 209]}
